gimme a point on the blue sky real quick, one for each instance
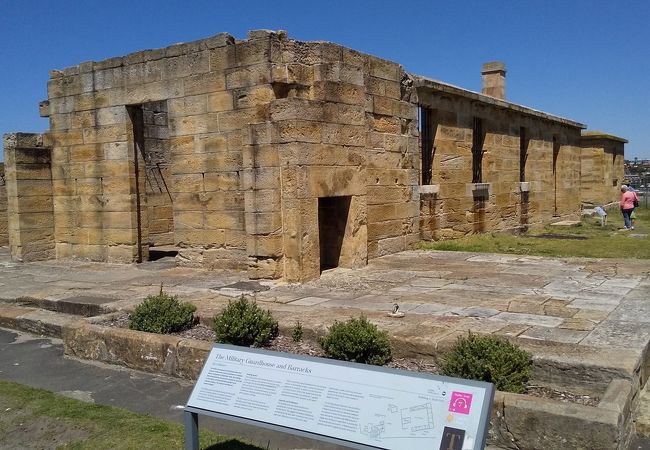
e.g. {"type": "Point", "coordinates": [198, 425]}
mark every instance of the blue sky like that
{"type": "Point", "coordinates": [585, 60]}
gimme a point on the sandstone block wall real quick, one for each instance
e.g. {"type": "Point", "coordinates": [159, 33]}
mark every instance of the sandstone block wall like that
{"type": "Point", "coordinates": [551, 187]}
{"type": "Point", "coordinates": [601, 171]}
{"type": "Point", "coordinates": [4, 233]}
{"type": "Point", "coordinates": [337, 129]}
{"type": "Point", "coordinates": [29, 197]}
{"type": "Point", "coordinates": [226, 149]}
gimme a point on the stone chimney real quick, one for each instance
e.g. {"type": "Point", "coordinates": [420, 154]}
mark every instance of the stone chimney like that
{"type": "Point", "coordinates": [494, 79]}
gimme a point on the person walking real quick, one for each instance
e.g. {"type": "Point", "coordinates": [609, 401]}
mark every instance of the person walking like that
{"type": "Point", "coordinates": [627, 204]}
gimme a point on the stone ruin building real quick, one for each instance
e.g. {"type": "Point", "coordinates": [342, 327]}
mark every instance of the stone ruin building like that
{"type": "Point", "coordinates": [285, 158]}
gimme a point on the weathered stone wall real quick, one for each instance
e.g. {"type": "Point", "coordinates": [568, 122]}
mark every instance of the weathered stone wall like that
{"type": "Point", "coordinates": [94, 148]}
{"type": "Point", "coordinates": [29, 197]}
{"type": "Point", "coordinates": [337, 128]}
{"type": "Point", "coordinates": [256, 132]}
{"type": "Point", "coordinates": [551, 186]}
{"type": "Point", "coordinates": [601, 171]}
{"type": "Point", "coordinates": [4, 233]}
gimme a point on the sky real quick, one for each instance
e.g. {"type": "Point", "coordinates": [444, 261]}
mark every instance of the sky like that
{"type": "Point", "coordinates": [588, 61]}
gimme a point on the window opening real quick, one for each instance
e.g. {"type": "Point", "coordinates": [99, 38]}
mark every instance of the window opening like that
{"type": "Point", "coordinates": [477, 150]}
{"type": "Point", "coordinates": [523, 153]}
{"type": "Point", "coordinates": [427, 136]}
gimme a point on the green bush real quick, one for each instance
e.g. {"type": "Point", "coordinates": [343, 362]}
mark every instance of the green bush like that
{"type": "Point", "coordinates": [489, 358]}
{"type": "Point", "coordinates": [244, 323]}
{"type": "Point", "coordinates": [357, 340]}
{"type": "Point", "coordinates": [162, 313]}
{"type": "Point", "coordinates": [297, 332]}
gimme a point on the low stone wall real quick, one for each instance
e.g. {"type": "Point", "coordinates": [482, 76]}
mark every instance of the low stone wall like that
{"type": "Point", "coordinates": [517, 422]}
{"type": "Point", "coordinates": [4, 234]}
{"type": "Point", "coordinates": [171, 355]}
{"type": "Point", "coordinates": [521, 421]}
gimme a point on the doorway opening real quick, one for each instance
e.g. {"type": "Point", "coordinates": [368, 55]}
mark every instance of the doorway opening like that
{"type": "Point", "coordinates": [152, 158]}
{"type": "Point", "coordinates": [332, 219]}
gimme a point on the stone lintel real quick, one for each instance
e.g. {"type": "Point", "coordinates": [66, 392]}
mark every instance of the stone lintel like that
{"type": "Point", "coordinates": [22, 140]}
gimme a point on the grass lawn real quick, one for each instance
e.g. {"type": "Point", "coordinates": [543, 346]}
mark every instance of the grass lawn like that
{"type": "Point", "coordinates": [34, 418]}
{"type": "Point", "coordinates": [589, 240]}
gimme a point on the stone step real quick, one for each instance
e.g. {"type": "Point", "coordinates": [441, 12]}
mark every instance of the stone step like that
{"type": "Point", "coordinates": [83, 305]}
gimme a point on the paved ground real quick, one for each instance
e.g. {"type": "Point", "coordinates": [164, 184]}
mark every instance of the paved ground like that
{"type": "Point", "coordinates": [592, 303]}
{"type": "Point", "coordinates": [584, 310]}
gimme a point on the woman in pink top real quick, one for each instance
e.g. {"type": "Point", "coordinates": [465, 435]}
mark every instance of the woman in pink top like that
{"type": "Point", "coordinates": [627, 206]}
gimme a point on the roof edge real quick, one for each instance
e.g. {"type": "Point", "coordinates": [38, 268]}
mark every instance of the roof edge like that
{"type": "Point", "coordinates": [420, 81]}
{"type": "Point", "coordinates": [602, 135]}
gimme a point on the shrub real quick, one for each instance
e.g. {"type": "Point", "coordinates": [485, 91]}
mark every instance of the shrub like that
{"type": "Point", "coordinates": [297, 332]}
{"type": "Point", "coordinates": [489, 358]}
{"type": "Point", "coordinates": [357, 340]}
{"type": "Point", "coordinates": [244, 323]}
{"type": "Point", "coordinates": [162, 313]}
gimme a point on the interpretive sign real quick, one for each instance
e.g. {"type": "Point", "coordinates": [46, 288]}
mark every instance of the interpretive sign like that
{"type": "Point", "coordinates": [354, 405]}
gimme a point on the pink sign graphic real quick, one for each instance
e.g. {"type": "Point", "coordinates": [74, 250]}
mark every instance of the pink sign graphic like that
{"type": "Point", "coordinates": [460, 402]}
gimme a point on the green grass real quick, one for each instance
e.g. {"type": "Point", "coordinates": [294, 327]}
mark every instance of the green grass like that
{"type": "Point", "coordinates": [40, 418]}
{"type": "Point", "coordinates": [600, 242]}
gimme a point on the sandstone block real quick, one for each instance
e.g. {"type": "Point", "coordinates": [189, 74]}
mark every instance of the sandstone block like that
{"type": "Point", "coordinates": [335, 181]}
{"type": "Point", "coordinates": [265, 245]}
{"type": "Point", "coordinates": [223, 220]}
{"type": "Point", "coordinates": [204, 83]}
{"type": "Point", "coordinates": [296, 131]}
{"type": "Point", "coordinates": [261, 178]}
{"type": "Point", "coordinates": [338, 92]}
{"type": "Point", "coordinates": [221, 258]}
{"type": "Point", "coordinates": [235, 120]}
{"type": "Point", "coordinates": [104, 134]}
{"type": "Point", "coordinates": [253, 96]}
{"type": "Point", "coordinates": [222, 58]}
{"type": "Point", "coordinates": [220, 101]}
{"type": "Point", "coordinates": [188, 106]}
{"type": "Point", "coordinates": [265, 267]}
{"type": "Point", "coordinates": [221, 181]}
{"type": "Point", "coordinates": [265, 200]}
{"type": "Point", "coordinates": [353, 135]}
{"type": "Point", "coordinates": [263, 223]}
{"type": "Point", "coordinates": [121, 254]}
{"type": "Point", "coordinates": [260, 156]}
{"type": "Point", "coordinates": [185, 65]}
{"type": "Point", "coordinates": [192, 125]}
{"type": "Point", "coordinates": [296, 108]}
{"type": "Point", "coordinates": [83, 119]}
{"type": "Point", "coordinates": [115, 150]}
{"type": "Point", "coordinates": [241, 77]}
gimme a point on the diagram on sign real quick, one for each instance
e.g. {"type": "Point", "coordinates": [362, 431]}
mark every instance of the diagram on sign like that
{"type": "Point", "coordinates": [416, 419]}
